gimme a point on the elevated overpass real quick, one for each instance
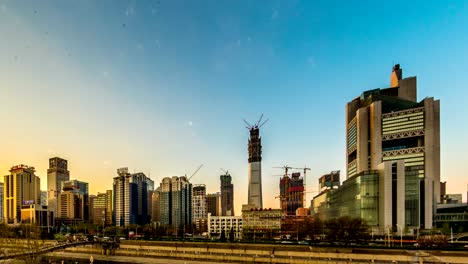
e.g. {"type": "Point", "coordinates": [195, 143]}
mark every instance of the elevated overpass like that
{"type": "Point", "coordinates": [107, 247]}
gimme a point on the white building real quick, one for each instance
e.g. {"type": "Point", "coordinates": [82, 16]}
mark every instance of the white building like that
{"type": "Point", "coordinates": [218, 224]}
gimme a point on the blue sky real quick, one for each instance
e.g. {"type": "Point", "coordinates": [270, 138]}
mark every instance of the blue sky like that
{"type": "Point", "coordinates": [162, 86]}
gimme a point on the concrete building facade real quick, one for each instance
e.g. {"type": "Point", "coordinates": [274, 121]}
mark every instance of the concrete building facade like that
{"type": "Point", "coordinates": [21, 187]}
{"type": "Point", "coordinates": [391, 125]}
{"type": "Point", "coordinates": [261, 222]}
{"type": "Point", "coordinates": [199, 206]}
{"type": "Point", "coordinates": [219, 224]}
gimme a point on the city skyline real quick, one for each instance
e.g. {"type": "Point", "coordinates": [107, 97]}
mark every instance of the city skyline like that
{"type": "Point", "coordinates": [130, 92]}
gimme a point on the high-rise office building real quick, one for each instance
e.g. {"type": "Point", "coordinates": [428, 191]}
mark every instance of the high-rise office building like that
{"type": "Point", "coordinates": [227, 195]}
{"type": "Point", "coordinates": [102, 208]}
{"type": "Point", "coordinates": [21, 187]}
{"type": "Point", "coordinates": [56, 174]}
{"type": "Point", "coordinates": [255, 168]}
{"type": "Point", "coordinates": [156, 214]}
{"type": "Point", "coordinates": [213, 204]}
{"type": "Point", "coordinates": [70, 206]}
{"type": "Point", "coordinates": [165, 201]}
{"type": "Point", "coordinates": [83, 189]}
{"type": "Point", "coordinates": [176, 201]}
{"type": "Point", "coordinates": [389, 125]}
{"type": "Point", "coordinates": [200, 214]}
{"type": "Point", "coordinates": [91, 208]}
{"type": "Point", "coordinates": [150, 186]}
{"type": "Point", "coordinates": [130, 198]}
{"type": "Point", "coordinates": [1, 201]}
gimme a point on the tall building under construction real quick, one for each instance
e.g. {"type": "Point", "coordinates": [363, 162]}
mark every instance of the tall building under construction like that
{"type": "Point", "coordinates": [291, 193]}
{"type": "Point", "coordinates": [255, 165]}
{"type": "Point", "coordinates": [227, 195]}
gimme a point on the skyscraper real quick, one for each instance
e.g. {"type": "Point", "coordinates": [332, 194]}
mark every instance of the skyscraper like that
{"type": "Point", "coordinates": [200, 214]}
{"type": "Point", "coordinates": [130, 199]}
{"type": "Point", "coordinates": [22, 187]}
{"type": "Point", "coordinates": [102, 208]}
{"type": "Point", "coordinates": [1, 201]}
{"type": "Point", "coordinates": [227, 195]}
{"type": "Point", "coordinates": [156, 211]}
{"type": "Point", "coordinates": [83, 189]}
{"type": "Point", "coordinates": [150, 186]}
{"type": "Point", "coordinates": [176, 201]}
{"type": "Point", "coordinates": [56, 174]}
{"type": "Point", "coordinates": [165, 201]}
{"type": "Point", "coordinates": [213, 204]}
{"type": "Point", "coordinates": [390, 131]}
{"type": "Point", "coordinates": [70, 206]}
{"type": "Point", "coordinates": [255, 167]}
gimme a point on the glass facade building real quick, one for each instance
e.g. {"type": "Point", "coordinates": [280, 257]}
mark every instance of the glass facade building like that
{"type": "Point", "coordinates": [358, 197]}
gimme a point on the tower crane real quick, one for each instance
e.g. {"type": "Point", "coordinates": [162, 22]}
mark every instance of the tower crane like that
{"type": "Point", "coordinates": [285, 167]}
{"type": "Point", "coordinates": [195, 172]}
{"type": "Point", "coordinates": [256, 125]}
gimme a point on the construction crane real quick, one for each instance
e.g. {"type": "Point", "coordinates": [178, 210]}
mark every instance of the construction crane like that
{"type": "Point", "coordinates": [285, 167]}
{"type": "Point", "coordinates": [194, 173]}
{"type": "Point", "coordinates": [281, 175]}
{"type": "Point", "coordinates": [225, 171]}
{"type": "Point", "coordinates": [305, 184]}
{"type": "Point", "coordinates": [256, 125]}
{"type": "Point", "coordinates": [289, 195]}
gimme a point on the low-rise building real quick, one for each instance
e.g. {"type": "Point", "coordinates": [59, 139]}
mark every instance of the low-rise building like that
{"type": "Point", "coordinates": [261, 222]}
{"type": "Point", "coordinates": [219, 224]}
{"type": "Point", "coordinates": [38, 215]}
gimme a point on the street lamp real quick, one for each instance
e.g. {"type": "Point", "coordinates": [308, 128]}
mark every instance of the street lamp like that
{"type": "Point", "coordinates": [401, 234]}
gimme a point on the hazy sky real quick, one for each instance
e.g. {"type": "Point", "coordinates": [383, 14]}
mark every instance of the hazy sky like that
{"type": "Point", "coordinates": [162, 86]}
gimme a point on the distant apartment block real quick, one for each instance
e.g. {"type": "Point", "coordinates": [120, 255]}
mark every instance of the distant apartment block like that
{"type": "Point", "coordinates": [199, 206]}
